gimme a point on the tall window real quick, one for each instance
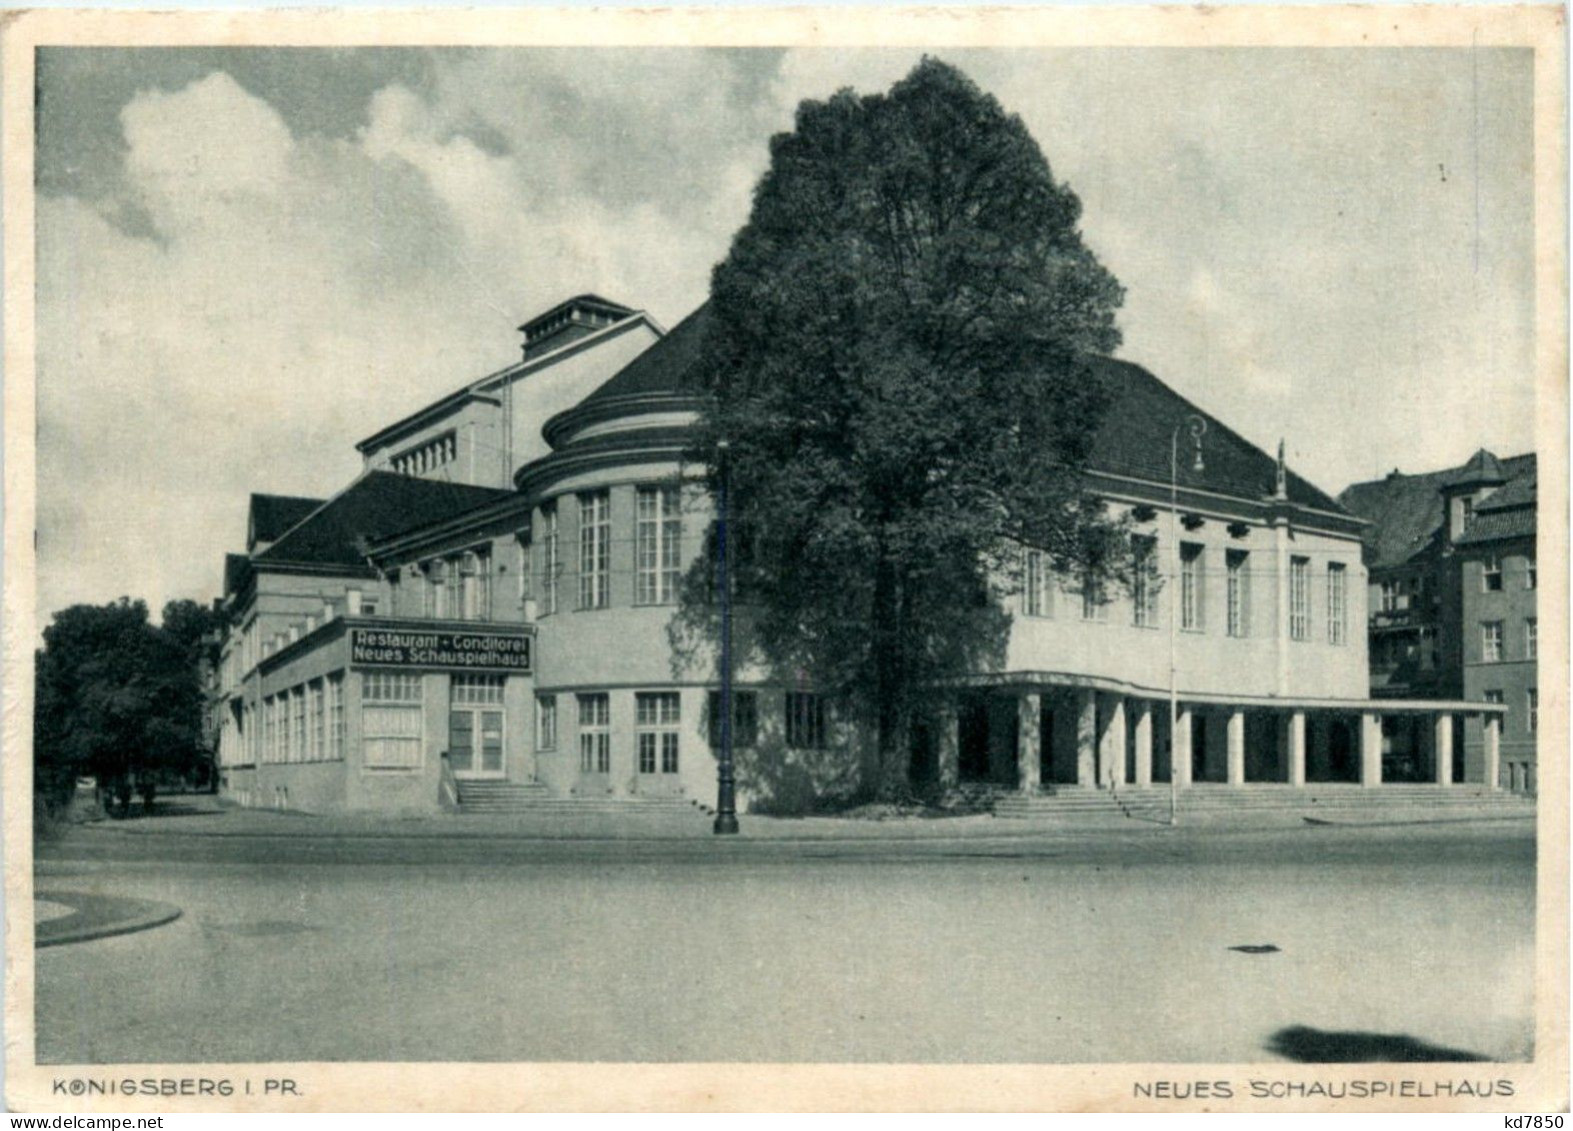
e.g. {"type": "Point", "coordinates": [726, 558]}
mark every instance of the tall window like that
{"type": "Point", "coordinates": [437, 589]}
{"type": "Point", "coordinates": [658, 549]}
{"type": "Point", "coordinates": [336, 717]}
{"type": "Point", "coordinates": [317, 724]}
{"type": "Point", "coordinates": [805, 721]}
{"type": "Point", "coordinates": [595, 549]}
{"type": "Point", "coordinates": [1491, 575]}
{"type": "Point", "coordinates": [1144, 582]}
{"type": "Point", "coordinates": [1336, 602]}
{"type": "Point", "coordinates": [551, 560]}
{"type": "Point", "coordinates": [1191, 586]}
{"type": "Point", "coordinates": [1529, 573]}
{"type": "Point", "coordinates": [1532, 719]}
{"type": "Point", "coordinates": [656, 719]}
{"type": "Point", "coordinates": [1466, 512]}
{"type": "Point", "coordinates": [268, 726]}
{"type": "Point", "coordinates": [297, 725]}
{"type": "Point", "coordinates": [745, 719]}
{"type": "Point", "coordinates": [1530, 634]}
{"type": "Point", "coordinates": [474, 586]}
{"type": "Point", "coordinates": [1038, 596]}
{"type": "Point", "coordinates": [1094, 598]}
{"type": "Point", "coordinates": [1239, 581]}
{"type": "Point", "coordinates": [546, 722]}
{"type": "Point", "coordinates": [392, 721]}
{"type": "Point", "coordinates": [1300, 598]}
{"type": "Point", "coordinates": [595, 734]}
{"type": "Point", "coordinates": [1491, 641]}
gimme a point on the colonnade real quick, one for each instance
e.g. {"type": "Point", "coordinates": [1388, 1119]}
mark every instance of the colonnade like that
{"type": "Point", "coordinates": [1127, 740]}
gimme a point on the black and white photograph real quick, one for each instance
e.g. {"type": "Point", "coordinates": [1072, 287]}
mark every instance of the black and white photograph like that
{"type": "Point", "coordinates": [669, 551]}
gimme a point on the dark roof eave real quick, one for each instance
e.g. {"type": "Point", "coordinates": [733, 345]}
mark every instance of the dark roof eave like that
{"type": "Point", "coordinates": [610, 408]}
{"type": "Point", "coordinates": [414, 538]}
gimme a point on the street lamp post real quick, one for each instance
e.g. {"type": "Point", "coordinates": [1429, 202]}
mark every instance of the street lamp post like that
{"type": "Point", "coordinates": [1197, 425]}
{"type": "Point", "coordinates": [726, 783]}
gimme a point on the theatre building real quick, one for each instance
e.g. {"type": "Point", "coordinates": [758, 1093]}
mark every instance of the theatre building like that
{"type": "Point", "coordinates": [481, 619]}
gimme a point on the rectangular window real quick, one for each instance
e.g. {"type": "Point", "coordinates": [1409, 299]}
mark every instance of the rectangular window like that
{"type": "Point", "coordinates": [437, 589]}
{"type": "Point", "coordinates": [658, 548]}
{"type": "Point", "coordinates": [1530, 579]}
{"type": "Point", "coordinates": [267, 729]}
{"type": "Point", "coordinates": [1191, 586]}
{"type": "Point", "coordinates": [1144, 582]}
{"type": "Point", "coordinates": [656, 719]}
{"type": "Point", "coordinates": [336, 717]}
{"type": "Point", "coordinates": [1491, 641]}
{"type": "Point", "coordinates": [1039, 598]}
{"type": "Point", "coordinates": [595, 549]}
{"type": "Point", "coordinates": [1491, 575]}
{"type": "Point", "coordinates": [1532, 703]}
{"type": "Point", "coordinates": [546, 722]}
{"type": "Point", "coordinates": [1491, 696]}
{"type": "Point", "coordinates": [1531, 644]}
{"type": "Point", "coordinates": [1239, 580]}
{"type": "Point", "coordinates": [595, 734]}
{"type": "Point", "coordinates": [478, 690]}
{"type": "Point", "coordinates": [551, 560]}
{"type": "Point", "coordinates": [1300, 598]}
{"type": "Point", "coordinates": [474, 571]}
{"type": "Point", "coordinates": [1336, 603]}
{"type": "Point", "coordinates": [392, 720]}
{"type": "Point", "coordinates": [297, 725]}
{"type": "Point", "coordinates": [805, 721]}
{"type": "Point", "coordinates": [1094, 599]}
{"type": "Point", "coordinates": [317, 727]}
{"type": "Point", "coordinates": [745, 719]}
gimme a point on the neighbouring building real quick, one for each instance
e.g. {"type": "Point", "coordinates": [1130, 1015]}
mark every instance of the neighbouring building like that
{"type": "Point", "coordinates": [481, 618]}
{"type": "Point", "coordinates": [1451, 557]}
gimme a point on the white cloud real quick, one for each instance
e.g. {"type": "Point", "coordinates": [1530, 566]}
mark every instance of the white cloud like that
{"type": "Point", "coordinates": [1298, 234]}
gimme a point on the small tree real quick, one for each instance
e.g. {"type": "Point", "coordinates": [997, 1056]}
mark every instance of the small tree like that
{"type": "Point", "coordinates": [897, 351]}
{"type": "Point", "coordinates": [117, 698]}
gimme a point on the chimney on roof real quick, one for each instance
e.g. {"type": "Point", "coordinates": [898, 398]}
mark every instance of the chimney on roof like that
{"type": "Point", "coordinates": [568, 321]}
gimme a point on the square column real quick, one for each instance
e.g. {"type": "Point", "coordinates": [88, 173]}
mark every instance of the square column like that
{"type": "Point", "coordinates": [1086, 737]}
{"type": "Point", "coordinates": [1234, 770]}
{"type": "Point", "coordinates": [1180, 747]}
{"type": "Point", "coordinates": [1111, 744]}
{"type": "Point", "coordinates": [1370, 749]}
{"type": "Point", "coordinates": [1442, 748]}
{"type": "Point", "coordinates": [1142, 737]}
{"type": "Point", "coordinates": [1029, 717]}
{"type": "Point", "coordinates": [1295, 726]}
{"type": "Point", "coordinates": [948, 747]}
{"type": "Point", "coordinates": [1492, 750]}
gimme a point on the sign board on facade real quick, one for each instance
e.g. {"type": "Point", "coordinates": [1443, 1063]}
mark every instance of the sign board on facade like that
{"type": "Point", "coordinates": [465, 650]}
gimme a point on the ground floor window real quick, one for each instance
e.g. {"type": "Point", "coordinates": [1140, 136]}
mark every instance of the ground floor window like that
{"type": "Point", "coordinates": [546, 722]}
{"type": "Point", "coordinates": [656, 718]}
{"type": "Point", "coordinates": [595, 734]}
{"type": "Point", "coordinates": [745, 719]}
{"type": "Point", "coordinates": [805, 721]}
{"type": "Point", "coordinates": [392, 720]}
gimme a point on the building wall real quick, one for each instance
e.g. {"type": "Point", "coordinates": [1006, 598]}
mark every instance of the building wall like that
{"type": "Point", "coordinates": [478, 458]}
{"type": "Point", "coordinates": [1516, 673]}
{"type": "Point", "coordinates": [1264, 661]}
{"type": "Point", "coordinates": [558, 384]}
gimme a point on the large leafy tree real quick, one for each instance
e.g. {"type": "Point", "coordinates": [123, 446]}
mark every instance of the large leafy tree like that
{"type": "Point", "coordinates": [117, 697]}
{"type": "Point", "coordinates": [897, 351]}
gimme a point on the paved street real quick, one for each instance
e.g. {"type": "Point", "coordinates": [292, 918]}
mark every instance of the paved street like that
{"type": "Point", "coordinates": [1029, 947]}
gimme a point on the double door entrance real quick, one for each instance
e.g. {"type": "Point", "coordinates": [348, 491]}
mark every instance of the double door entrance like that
{"type": "Point", "coordinates": [475, 742]}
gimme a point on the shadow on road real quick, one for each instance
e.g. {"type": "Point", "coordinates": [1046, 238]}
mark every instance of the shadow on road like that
{"type": "Point", "coordinates": [1316, 1046]}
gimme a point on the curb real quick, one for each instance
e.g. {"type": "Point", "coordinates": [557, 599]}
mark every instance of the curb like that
{"type": "Point", "coordinates": [99, 916]}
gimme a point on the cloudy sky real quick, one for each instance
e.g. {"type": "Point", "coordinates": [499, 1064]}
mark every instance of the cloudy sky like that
{"type": "Point", "coordinates": [250, 259]}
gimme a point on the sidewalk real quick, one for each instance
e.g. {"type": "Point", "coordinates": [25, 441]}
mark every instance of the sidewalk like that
{"type": "Point", "coordinates": [205, 817]}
